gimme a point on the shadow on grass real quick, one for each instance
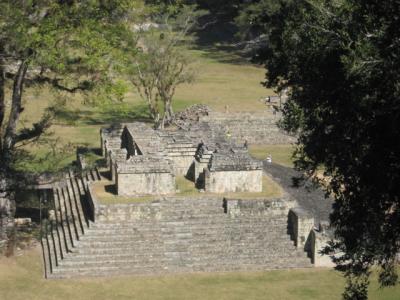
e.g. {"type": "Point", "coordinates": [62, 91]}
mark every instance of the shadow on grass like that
{"type": "Point", "coordinates": [227, 54]}
{"type": "Point", "coordinates": [117, 113]}
{"type": "Point", "coordinates": [85, 150]}
{"type": "Point", "coordinates": [220, 43]}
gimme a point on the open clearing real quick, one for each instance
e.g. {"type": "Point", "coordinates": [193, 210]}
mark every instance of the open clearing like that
{"type": "Point", "coordinates": [21, 278]}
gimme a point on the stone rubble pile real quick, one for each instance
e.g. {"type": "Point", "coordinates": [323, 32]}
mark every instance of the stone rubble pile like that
{"type": "Point", "coordinates": [191, 114]}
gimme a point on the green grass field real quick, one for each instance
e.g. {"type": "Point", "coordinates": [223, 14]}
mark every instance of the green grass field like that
{"type": "Point", "coordinates": [21, 278]}
{"type": "Point", "coordinates": [281, 154]}
{"type": "Point", "coordinates": [107, 195]}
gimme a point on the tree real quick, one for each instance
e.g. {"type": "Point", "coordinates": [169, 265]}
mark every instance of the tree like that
{"type": "Point", "coordinates": [162, 63]}
{"type": "Point", "coordinates": [341, 60]}
{"type": "Point", "coordinates": [69, 46]}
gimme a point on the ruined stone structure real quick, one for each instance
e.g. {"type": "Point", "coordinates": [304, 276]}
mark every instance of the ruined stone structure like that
{"type": "Point", "coordinates": [171, 233]}
{"type": "Point", "coordinates": [255, 128]}
{"type": "Point", "coordinates": [144, 175]}
{"type": "Point", "coordinates": [233, 171]}
{"type": "Point", "coordinates": [144, 161]}
{"type": "Point", "coordinates": [167, 235]}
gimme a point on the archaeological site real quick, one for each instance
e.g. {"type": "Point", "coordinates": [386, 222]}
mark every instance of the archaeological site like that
{"type": "Point", "coordinates": [226, 223]}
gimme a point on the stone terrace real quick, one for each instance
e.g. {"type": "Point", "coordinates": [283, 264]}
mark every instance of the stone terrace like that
{"type": "Point", "coordinates": [192, 235]}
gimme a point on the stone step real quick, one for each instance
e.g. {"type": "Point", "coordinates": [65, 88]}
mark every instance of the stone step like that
{"type": "Point", "coordinates": [121, 248]}
{"type": "Point", "coordinates": [47, 257]}
{"type": "Point", "coordinates": [140, 258]}
{"type": "Point", "coordinates": [134, 262]}
{"type": "Point", "coordinates": [74, 210]}
{"type": "Point", "coordinates": [187, 236]}
{"type": "Point", "coordinates": [80, 186]}
{"type": "Point", "coordinates": [115, 230]}
{"type": "Point", "coordinates": [106, 246]}
{"type": "Point", "coordinates": [106, 271]}
{"type": "Point", "coordinates": [68, 215]}
{"type": "Point", "coordinates": [176, 265]}
{"type": "Point", "coordinates": [124, 267]}
{"type": "Point", "coordinates": [78, 204]}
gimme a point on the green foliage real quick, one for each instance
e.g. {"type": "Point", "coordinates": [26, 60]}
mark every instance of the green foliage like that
{"type": "Point", "coordinates": [161, 63]}
{"type": "Point", "coordinates": [340, 60]}
{"type": "Point", "coordinates": [70, 46]}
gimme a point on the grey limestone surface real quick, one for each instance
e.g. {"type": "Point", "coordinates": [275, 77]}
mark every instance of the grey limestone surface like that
{"type": "Point", "coordinates": [309, 197]}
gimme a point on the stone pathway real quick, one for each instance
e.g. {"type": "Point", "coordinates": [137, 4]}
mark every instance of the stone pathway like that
{"type": "Point", "coordinates": [310, 198]}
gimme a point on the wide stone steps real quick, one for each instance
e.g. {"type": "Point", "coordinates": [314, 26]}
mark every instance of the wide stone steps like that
{"type": "Point", "coordinates": [70, 223]}
{"type": "Point", "coordinates": [151, 269]}
{"type": "Point", "coordinates": [106, 270]}
{"type": "Point", "coordinates": [186, 236]}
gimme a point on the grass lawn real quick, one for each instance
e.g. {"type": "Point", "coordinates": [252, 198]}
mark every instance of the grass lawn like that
{"type": "Point", "coordinates": [106, 194]}
{"type": "Point", "coordinates": [21, 278]}
{"type": "Point", "coordinates": [281, 154]}
{"type": "Point", "coordinates": [223, 79]}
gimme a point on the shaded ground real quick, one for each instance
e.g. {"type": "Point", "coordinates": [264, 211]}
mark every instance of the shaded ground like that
{"type": "Point", "coordinates": [308, 197]}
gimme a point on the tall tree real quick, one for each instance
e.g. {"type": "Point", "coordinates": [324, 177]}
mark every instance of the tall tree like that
{"type": "Point", "coordinates": [341, 60]}
{"type": "Point", "coordinates": [163, 63]}
{"type": "Point", "coordinates": [70, 46]}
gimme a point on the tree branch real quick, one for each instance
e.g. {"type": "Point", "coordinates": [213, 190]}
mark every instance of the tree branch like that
{"type": "Point", "coordinates": [85, 85]}
{"type": "Point", "coordinates": [36, 131]}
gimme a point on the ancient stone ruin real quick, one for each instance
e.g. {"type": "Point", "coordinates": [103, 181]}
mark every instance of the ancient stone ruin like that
{"type": "Point", "coordinates": [144, 161]}
{"type": "Point", "coordinates": [168, 232]}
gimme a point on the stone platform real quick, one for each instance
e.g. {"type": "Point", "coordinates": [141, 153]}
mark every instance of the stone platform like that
{"type": "Point", "coordinates": [169, 235]}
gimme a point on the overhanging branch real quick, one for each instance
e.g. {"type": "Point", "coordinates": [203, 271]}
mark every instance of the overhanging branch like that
{"type": "Point", "coordinates": [84, 85]}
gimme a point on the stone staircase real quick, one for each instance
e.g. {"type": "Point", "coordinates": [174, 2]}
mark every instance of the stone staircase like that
{"type": "Point", "coordinates": [70, 221]}
{"type": "Point", "coordinates": [175, 235]}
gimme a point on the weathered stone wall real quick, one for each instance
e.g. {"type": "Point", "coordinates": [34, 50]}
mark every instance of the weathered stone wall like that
{"type": "Point", "coordinates": [128, 212]}
{"type": "Point", "coordinates": [256, 128]}
{"type": "Point", "coordinates": [93, 203]}
{"type": "Point", "coordinates": [145, 184]}
{"type": "Point", "coordinates": [199, 167]}
{"type": "Point", "coordinates": [233, 181]}
{"type": "Point", "coordinates": [236, 208]}
{"type": "Point", "coordinates": [116, 156]}
{"type": "Point", "coordinates": [181, 164]}
{"type": "Point", "coordinates": [301, 224]}
{"type": "Point", "coordinates": [319, 241]}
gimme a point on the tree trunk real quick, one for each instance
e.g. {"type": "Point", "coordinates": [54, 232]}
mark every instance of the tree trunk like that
{"type": "Point", "coordinates": [2, 93]}
{"type": "Point", "coordinates": [7, 225]}
{"type": "Point", "coordinates": [2, 100]}
{"type": "Point", "coordinates": [170, 111]}
{"type": "Point", "coordinates": [16, 109]}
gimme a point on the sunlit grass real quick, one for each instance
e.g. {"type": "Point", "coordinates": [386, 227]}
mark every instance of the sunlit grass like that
{"type": "Point", "coordinates": [105, 192]}
{"type": "Point", "coordinates": [21, 278]}
{"type": "Point", "coordinates": [281, 154]}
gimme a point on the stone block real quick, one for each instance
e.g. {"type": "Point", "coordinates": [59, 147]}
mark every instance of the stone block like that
{"type": "Point", "coordinates": [319, 241]}
{"type": "Point", "coordinates": [301, 223]}
{"type": "Point", "coordinates": [233, 181]}
{"type": "Point", "coordinates": [145, 184]}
